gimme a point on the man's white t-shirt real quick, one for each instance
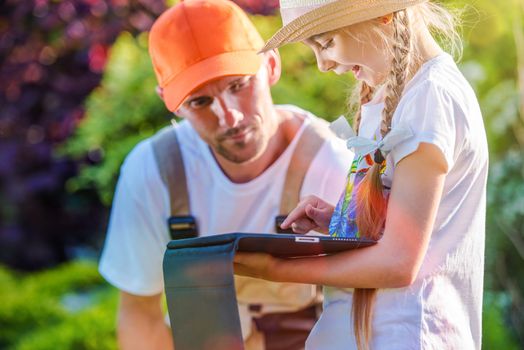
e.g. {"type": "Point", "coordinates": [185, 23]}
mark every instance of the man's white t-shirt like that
{"type": "Point", "coordinates": [138, 233]}
{"type": "Point", "coordinates": [442, 308]}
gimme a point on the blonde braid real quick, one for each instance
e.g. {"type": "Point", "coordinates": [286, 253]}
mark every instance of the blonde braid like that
{"type": "Point", "coordinates": [400, 68]}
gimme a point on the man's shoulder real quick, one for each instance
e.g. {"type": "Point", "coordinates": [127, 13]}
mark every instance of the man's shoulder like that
{"type": "Point", "coordinates": [332, 145]}
{"type": "Point", "coordinates": [188, 140]}
{"type": "Point", "coordinates": [299, 120]}
{"type": "Point", "coordinates": [300, 112]}
{"type": "Point", "coordinates": [139, 155]}
{"type": "Point", "coordinates": [139, 166]}
{"type": "Point", "coordinates": [142, 159]}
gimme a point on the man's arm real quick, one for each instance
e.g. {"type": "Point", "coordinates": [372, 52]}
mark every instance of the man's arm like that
{"type": "Point", "coordinates": [141, 323]}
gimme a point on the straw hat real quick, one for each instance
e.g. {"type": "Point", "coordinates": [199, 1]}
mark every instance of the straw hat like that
{"type": "Point", "coordinates": [304, 18]}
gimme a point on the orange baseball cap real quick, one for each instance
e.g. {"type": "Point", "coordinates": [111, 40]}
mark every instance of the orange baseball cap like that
{"type": "Point", "coordinates": [197, 41]}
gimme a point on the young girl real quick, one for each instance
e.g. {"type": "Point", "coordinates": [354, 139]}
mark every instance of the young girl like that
{"type": "Point", "coordinates": [417, 182]}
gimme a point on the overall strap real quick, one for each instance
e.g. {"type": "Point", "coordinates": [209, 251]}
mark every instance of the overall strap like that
{"type": "Point", "coordinates": [308, 145]}
{"type": "Point", "coordinates": [171, 167]}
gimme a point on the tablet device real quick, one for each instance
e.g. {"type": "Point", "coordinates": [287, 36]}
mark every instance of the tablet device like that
{"type": "Point", "coordinates": [280, 245]}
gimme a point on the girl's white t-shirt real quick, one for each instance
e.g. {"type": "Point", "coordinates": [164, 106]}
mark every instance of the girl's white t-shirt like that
{"type": "Point", "coordinates": [442, 308]}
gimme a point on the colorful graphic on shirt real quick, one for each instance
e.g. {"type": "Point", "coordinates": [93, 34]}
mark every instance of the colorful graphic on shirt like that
{"type": "Point", "coordinates": [343, 222]}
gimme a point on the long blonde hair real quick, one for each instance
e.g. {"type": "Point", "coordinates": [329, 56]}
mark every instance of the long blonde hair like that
{"type": "Point", "coordinates": [370, 200]}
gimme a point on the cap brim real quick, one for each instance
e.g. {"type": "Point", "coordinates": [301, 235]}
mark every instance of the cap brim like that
{"type": "Point", "coordinates": [338, 14]}
{"type": "Point", "coordinates": [226, 64]}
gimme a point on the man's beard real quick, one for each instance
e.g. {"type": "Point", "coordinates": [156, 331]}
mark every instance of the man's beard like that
{"type": "Point", "coordinates": [241, 151]}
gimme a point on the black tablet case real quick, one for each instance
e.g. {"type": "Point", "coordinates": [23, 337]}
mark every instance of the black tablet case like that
{"type": "Point", "coordinates": [199, 284]}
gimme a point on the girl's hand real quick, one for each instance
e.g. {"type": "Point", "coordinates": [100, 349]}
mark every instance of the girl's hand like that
{"type": "Point", "coordinates": [312, 213]}
{"type": "Point", "coordinates": [258, 265]}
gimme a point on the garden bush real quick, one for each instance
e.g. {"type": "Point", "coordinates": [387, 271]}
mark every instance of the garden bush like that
{"type": "Point", "coordinates": [70, 307]}
{"type": "Point", "coordinates": [67, 307]}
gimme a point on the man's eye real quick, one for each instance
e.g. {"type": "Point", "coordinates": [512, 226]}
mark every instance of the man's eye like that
{"type": "Point", "coordinates": [200, 102]}
{"type": "Point", "coordinates": [236, 86]}
{"type": "Point", "coordinates": [240, 84]}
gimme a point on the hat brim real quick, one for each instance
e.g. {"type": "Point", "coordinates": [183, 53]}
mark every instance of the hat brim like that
{"type": "Point", "coordinates": [338, 14]}
{"type": "Point", "coordinates": [226, 64]}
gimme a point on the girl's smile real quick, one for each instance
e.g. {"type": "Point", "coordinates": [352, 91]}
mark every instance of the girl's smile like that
{"type": "Point", "coordinates": [349, 49]}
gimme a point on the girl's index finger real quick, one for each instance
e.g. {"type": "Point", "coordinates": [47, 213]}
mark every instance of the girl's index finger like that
{"type": "Point", "coordinates": [295, 214]}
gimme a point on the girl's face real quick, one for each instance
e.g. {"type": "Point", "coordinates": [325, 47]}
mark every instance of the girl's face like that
{"type": "Point", "coordinates": [358, 49]}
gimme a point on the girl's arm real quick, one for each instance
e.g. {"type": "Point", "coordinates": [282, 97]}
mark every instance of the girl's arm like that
{"type": "Point", "coordinates": [396, 259]}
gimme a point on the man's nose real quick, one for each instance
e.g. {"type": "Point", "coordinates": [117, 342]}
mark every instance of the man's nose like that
{"type": "Point", "coordinates": [227, 112]}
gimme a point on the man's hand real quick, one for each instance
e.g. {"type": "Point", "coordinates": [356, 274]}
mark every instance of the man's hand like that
{"type": "Point", "coordinates": [258, 265]}
{"type": "Point", "coordinates": [141, 323]}
{"type": "Point", "coordinates": [312, 213]}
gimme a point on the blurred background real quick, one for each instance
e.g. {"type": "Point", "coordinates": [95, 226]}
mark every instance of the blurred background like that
{"type": "Point", "coordinates": [77, 92]}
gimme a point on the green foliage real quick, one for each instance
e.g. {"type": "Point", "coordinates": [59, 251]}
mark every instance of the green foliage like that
{"type": "Point", "coordinates": [490, 64]}
{"type": "Point", "coordinates": [69, 307]}
{"type": "Point", "coordinates": [496, 334]}
{"type": "Point", "coordinates": [122, 111]}
{"type": "Point", "coordinates": [505, 241]}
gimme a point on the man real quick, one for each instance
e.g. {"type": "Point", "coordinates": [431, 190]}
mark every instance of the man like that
{"type": "Point", "coordinates": [235, 146]}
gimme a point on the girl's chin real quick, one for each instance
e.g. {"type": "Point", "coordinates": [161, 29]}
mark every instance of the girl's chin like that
{"type": "Point", "coordinates": [362, 76]}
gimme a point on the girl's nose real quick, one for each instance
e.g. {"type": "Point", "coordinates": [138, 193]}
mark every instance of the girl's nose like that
{"type": "Point", "coordinates": [324, 64]}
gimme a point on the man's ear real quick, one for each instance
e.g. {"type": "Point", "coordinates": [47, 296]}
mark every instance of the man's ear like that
{"type": "Point", "coordinates": [179, 112]}
{"type": "Point", "coordinates": [182, 111]}
{"type": "Point", "coordinates": [160, 92]}
{"type": "Point", "coordinates": [274, 66]}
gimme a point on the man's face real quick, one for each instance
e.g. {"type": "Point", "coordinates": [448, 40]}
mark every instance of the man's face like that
{"type": "Point", "coordinates": [233, 115]}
